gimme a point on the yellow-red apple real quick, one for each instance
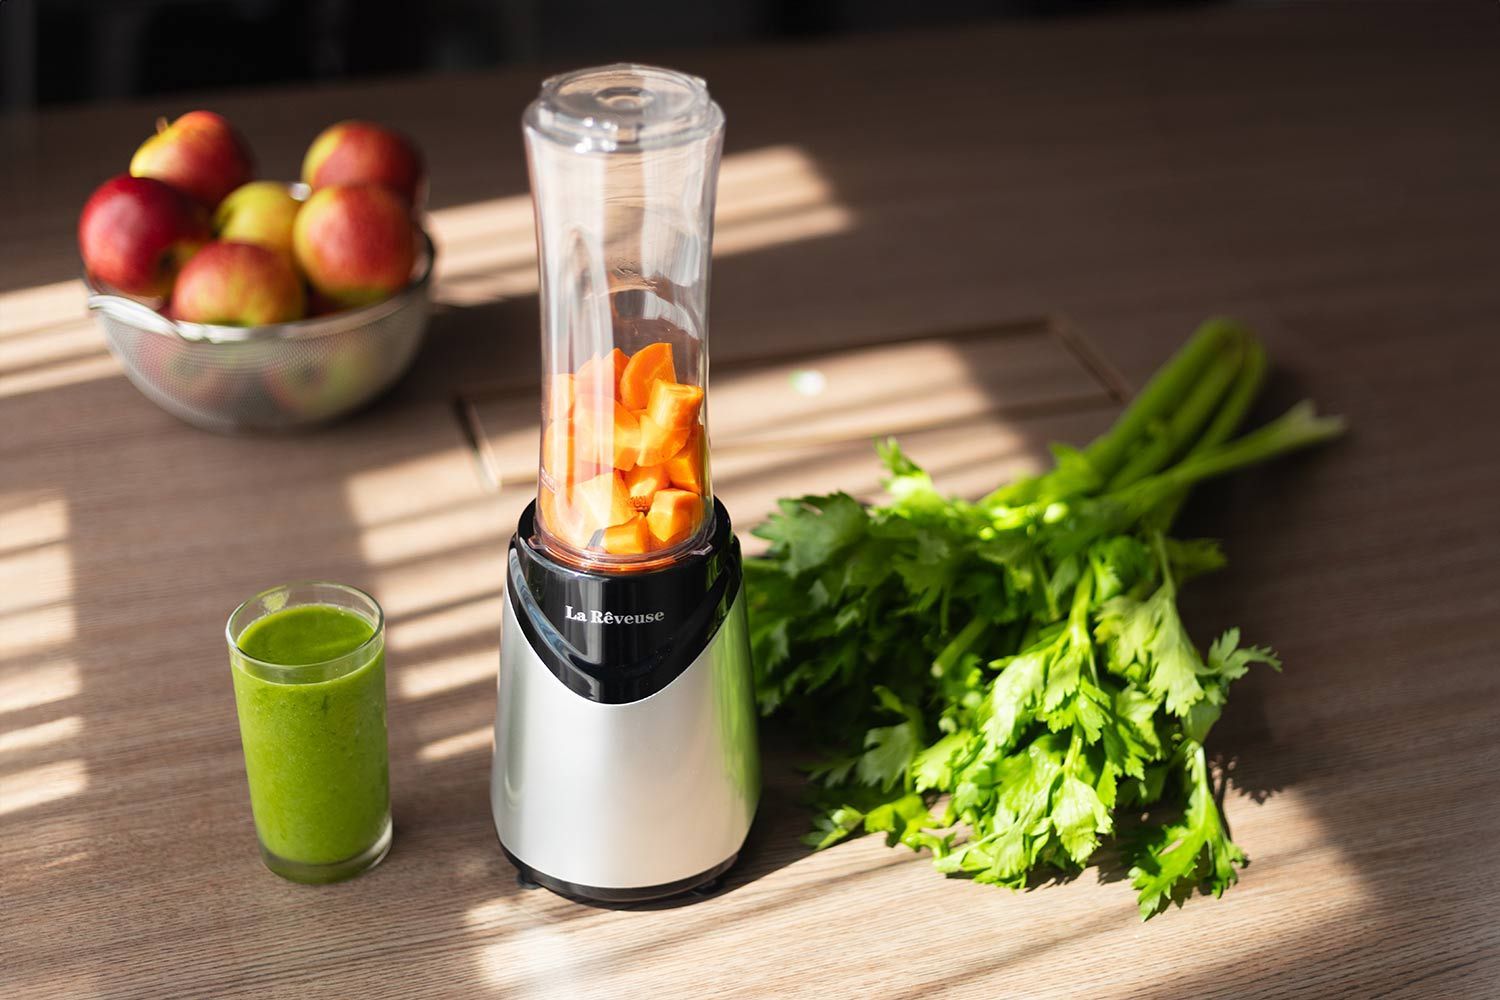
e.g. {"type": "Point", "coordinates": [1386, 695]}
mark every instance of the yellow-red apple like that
{"type": "Point", "coordinates": [355, 152]}
{"type": "Point", "coordinates": [238, 284]}
{"type": "Point", "coordinates": [200, 153]}
{"type": "Point", "coordinates": [136, 232]}
{"type": "Point", "coordinates": [314, 386]}
{"type": "Point", "coordinates": [259, 212]}
{"type": "Point", "coordinates": [355, 243]}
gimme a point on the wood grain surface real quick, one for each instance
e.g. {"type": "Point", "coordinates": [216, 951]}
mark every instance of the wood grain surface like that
{"type": "Point", "coordinates": [1323, 170]}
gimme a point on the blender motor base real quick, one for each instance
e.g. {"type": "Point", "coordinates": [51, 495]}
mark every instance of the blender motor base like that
{"type": "Point", "coordinates": [694, 886]}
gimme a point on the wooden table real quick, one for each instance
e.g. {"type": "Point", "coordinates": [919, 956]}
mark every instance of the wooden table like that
{"type": "Point", "coordinates": [1037, 213]}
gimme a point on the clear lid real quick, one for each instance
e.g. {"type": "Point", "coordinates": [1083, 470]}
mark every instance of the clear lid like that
{"type": "Point", "coordinates": [624, 160]}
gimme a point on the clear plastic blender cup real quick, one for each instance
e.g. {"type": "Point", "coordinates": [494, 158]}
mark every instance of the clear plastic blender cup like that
{"type": "Point", "coordinates": [623, 163]}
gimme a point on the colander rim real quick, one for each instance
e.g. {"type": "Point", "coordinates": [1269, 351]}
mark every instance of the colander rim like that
{"type": "Point", "coordinates": [142, 317]}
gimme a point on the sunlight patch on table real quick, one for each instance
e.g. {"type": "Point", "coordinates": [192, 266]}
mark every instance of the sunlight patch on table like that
{"type": "Point", "coordinates": [37, 623]}
{"type": "Point", "coordinates": [32, 633]}
{"type": "Point", "coordinates": [56, 376]}
{"type": "Point", "coordinates": [41, 684]}
{"type": "Point", "coordinates": [535, 960]}
{"type": "Point", "coordinates": [461, 743]}
{"type": "Point", "coordinates": [48, 341]}
{"type": "Point", "coordinates": [426, 679]}
{"type": "Point", "coordinates": [41, 735]}
{"type": "Point", "coordinates": [804, 224]}
{"type": "Point", "coordinates": [28, 310]}
{"type": "Point", "coordinates": [410, 487]}
{"type": "Point", "coordinates": [446, 579]}
{"type": "Point", "coordinates": [467, 620]}
{"type": "Point", "coordinates": [30, 519]}
{"type": "Point", "coordinates": [40, 785]}
{"type": "Point", "coordinates": [766, 197]}
{"type": "Point", "coordinates": [69, 342]}
{"type": "Point", "coordinates": [36, 576]}
{"type": "Point", "coordinates": [415, 537]}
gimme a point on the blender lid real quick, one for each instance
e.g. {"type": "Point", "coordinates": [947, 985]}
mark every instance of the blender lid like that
{"type": "Point", "coordinates": [624, 107]}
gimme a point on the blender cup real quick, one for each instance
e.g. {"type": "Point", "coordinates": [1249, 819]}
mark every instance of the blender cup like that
{"type": "Point", "coordinates": [623, 162]}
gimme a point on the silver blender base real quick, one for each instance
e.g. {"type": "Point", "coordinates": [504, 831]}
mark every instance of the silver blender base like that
{"type": "Point", "coordinates": [620, 803]}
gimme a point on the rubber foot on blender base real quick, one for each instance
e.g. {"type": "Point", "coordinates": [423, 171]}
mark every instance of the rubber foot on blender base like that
{"type": "Point", "coordinates": [693, 887]}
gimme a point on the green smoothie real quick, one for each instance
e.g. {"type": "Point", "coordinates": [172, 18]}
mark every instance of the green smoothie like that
{"type": "Point", "coordinates": [314, 739]}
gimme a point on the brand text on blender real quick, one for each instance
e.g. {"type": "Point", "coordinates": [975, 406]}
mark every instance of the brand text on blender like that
{"type": "Point", "coordinates": [610, 618]}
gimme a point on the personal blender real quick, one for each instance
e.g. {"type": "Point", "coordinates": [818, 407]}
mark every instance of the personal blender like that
{"type": "Point", "coordinates": [626, 766]}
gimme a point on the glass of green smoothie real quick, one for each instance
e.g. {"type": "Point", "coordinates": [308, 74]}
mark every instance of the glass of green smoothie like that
{"type": "Point", "coordinates": [309, 682]}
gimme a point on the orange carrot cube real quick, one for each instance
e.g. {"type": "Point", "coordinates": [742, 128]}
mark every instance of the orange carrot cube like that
{"type": "Point", "coordinates": [628, 539]}
{"type": "Point", "coordinates": [599, 377]}
{"type": "Point", "coordinates": [561, 519]}
{"type": "Point", "coordinates": [561, 461]}
{"type": "Point", "coordinates": [559, 390]}
{"type": "Point", "coordinates": [608, 435]}
{"type": "Point", "coordinates": [658, 443]}
{"type": "Point", "coordinates": [674, 404]}
{"type": "Point", "coordinates": [603, 501]}
{"type": "Point", "coordinates": [643, 481]}
{"type": "Point", "coordinates": [685, 468]}
{"type": "Point", "coordinates": [649, 365]}
{"type": "Point", "coordinates": [674, 516]}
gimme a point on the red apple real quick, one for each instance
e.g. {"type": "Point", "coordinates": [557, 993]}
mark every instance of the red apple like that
{"type": "Point", "coordinates": [135, 233]}
{"type": "Point", "coordinates": [355, 243]}
{"type": "Point", "coordinates": [175, 368]}
{"type": "Point", "coordinates": [259, 212]}
{"type": "Point", "coordinates": [238, 284]}
{"type": "Point", "coordinates": [319, 304]}
{"type": "Point", "coordinates": [316, 386]}
{"type": "Point", "coordinates": [200, 153]}
{"type": "Point", "coordinates": [355, 152]}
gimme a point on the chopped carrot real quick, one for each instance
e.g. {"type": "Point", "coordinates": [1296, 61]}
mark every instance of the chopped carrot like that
{"type": "Point", "coordinates": [608, 437]}
{"type": "Point", "coordinates": [561, 519]}
{"type": "Point", "coordinates": [600, 376]}
{"type": "Point", "coordinates": [643, 481]}
{"type": "Point", "coordinates": [651, 364]}
{"type": "Point", "coordinates": [603, 501]}
{"type": "Point", "coordinates": [631, 538]}
{"type": "Point", "coordinates": [685, 468]}
{"type": "Point", "coordinates": [562, 462]}
{"type": "Point", "coordinates": [559, 389]}
{"type": "Point", "coordinates": [674, 404]}
{"type": "Point", "coordinates": [658, 443]}
{"type": "Point", "coordinates": [674, 516]}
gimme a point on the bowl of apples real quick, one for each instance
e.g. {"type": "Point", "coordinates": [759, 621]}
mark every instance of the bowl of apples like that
{"type": "Point", "coordinates": [240, 304]}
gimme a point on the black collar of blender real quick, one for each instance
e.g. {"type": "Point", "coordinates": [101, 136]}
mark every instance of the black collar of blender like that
{"type": "Point", "coordinates": [595, 656]}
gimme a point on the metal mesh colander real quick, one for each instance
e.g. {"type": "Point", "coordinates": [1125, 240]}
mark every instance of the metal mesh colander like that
{"type": "Point", "coordinates": [228, 378]}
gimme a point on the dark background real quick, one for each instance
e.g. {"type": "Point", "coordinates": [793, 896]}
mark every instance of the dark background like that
{"type": "Point", "coordinates": [64, 51]}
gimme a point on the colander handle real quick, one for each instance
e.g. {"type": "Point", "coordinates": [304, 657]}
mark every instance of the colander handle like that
{"type": "Point", "coordinates": [134, 313]}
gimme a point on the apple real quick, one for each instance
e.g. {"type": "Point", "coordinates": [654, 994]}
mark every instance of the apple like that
{"type": "Point", "coordinates": [316, 387]}
{"type": "Point", "coordinates": [200, 153]}
{"type": "Point", "coordinates": [175, 368]}
{"type": "Point", "coordinates": [136, 232]}
{"type": "Point", "coordinates": [355, 243]}
{"type": "Point", "coordinates": [259, 212]}
{"type": "Point", "coordinates": [319, 304]}
{"type": "Point", "coordinates": [355, 152]}
{"type": "Point", "coordinates": [238, 284]}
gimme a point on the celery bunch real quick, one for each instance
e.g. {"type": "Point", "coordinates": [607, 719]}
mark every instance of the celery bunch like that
{"type": "Point", "coordinates": [998, 682]}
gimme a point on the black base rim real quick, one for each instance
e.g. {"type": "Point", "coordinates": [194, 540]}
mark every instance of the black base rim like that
{"type": "Point", "coordinates": [597, 896]}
